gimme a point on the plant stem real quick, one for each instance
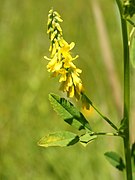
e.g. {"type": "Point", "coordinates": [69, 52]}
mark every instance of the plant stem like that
{"type": "Point", "coordinates": [126, 105]}
{"type": "Point", "coordinates": [126, 100]}
{"type": "Point", "coordinates": [104, 117]}
{"type": "Point", "coordinates": [106, 134]}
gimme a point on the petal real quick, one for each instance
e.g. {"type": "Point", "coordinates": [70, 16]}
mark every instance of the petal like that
{"type": "Point", "coordinates": [69, 80]}
{"type": "Point", "coordinates": [76, 79]}
{"type": "Point", "coordinates": [75, 57]}
{"type": "Point", "coordinates": [58, 27]}
{"type": "Point", "coordinates": [63, 78]}
{"type": "Point", "coordinates": [70, 93]}
{"type": "Point", "coordinates": [53, 35]}
{"type": "Point", "coordinates": [57, 66]}
{"type": "Point", "coordinates": [72, 44]}
{"type": "Point", "coordinates": [53, 50]}
{"type": "Point", "coordinates": [78, 70]}
{"type": "Point", "coordinates": [47, 58]}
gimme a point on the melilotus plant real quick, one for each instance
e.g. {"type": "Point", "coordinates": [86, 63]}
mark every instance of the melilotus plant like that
{"type": "Point", "coordinates": [61, 64]}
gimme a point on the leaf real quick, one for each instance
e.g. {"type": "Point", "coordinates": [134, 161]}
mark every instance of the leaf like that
{"type": "Point", "coordinates": [132, 52]}
{"type": "Point", "coordinates": [115, 160]}
{"type": "Point", "coordinates": [60, 138]}
{"type": "Point", "coordinates": [133, 156]}
{"type": "Point", "coordinates": [122, 125]}
{"type": "Point", "coordinates": [87, 138]}
{"type": "Point", "coordinates": [69, 112]}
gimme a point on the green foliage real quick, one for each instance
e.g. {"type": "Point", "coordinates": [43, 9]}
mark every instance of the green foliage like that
{"type": "Point", "coordinates": [87, 138]}
{"type": "Point", "coordinates": [133, 156]}
{"type": "Point", "coordinates": [69, 112]}
{"type": "Point", "coordinates": [115, 160]}
{"type": "Point", "coordinates": [72, 116]}
{"type": "Point", "coordinates": [61, 138]}
{"type": "Point", "coordinates": [129, 8]}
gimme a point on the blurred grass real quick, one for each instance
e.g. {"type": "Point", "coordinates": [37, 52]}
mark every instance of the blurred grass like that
{"type": "Point", "coordinates": [25, 113]}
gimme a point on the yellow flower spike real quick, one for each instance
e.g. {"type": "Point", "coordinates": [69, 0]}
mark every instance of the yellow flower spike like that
{"type": "Point", "coordinates": [61, 61]}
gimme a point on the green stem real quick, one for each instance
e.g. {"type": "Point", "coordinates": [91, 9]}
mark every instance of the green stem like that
{"type": "Point", "coordinates": [126, 100]}
{"type": "Point", "coordinates": [126, 105]}
{"type": "Point", "coordinates": [104, 117]}
{"type": "Point", "coordinates": [105, 134]}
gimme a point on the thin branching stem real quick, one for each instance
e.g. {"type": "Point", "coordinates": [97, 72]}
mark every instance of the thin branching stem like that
{"type": "Point", "coordinates": [103, 117]}
{"type": "Point", "coordinates": [106, 134]}
{"type": "Point", "coordinates": [126, 102]}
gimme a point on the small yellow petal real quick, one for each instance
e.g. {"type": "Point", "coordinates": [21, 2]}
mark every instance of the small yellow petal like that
{"type": "Point", "coordinates": [50, 48]}
{"type": "Point", "coordinates": [53, 51]}
{"type": "Point", "coordinates": [58, 19]}
{"type": "Point", "coordinates": [51, 11]}
{"type": "Point", "coordinates": [70, 93]}
{"type": "Point", "coordinates": [75, 57]}
{"type": "Point", "coordinates": [58, 27]}
{"type": "Point", "coordinates": [47, 58]}
{"type": "Point", "coordinates": [53, 35]}
{"type": "Point", "coordinates": [76, 79]}
{"type": "Point", "coordinates": [78, 70]}
{"type": "Point", "coordinates": [72, 44]}
{"type": "Point", "coordinates": [49, 21]}
{"type": "Point", "coordinates": [63, 78]}
{"type": "Point", "coordinates": [69, 80]}
{"type": "Point", "coordinates": [56, 13]}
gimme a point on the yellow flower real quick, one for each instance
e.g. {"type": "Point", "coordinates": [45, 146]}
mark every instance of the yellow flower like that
{"type": "Point", "coordinates": [61, 61]}
{"type": "Point", "coordinates": [54, 64]}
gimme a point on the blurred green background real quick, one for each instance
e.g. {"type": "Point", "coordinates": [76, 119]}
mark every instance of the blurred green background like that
{"type": "Point", "coordinates": [25, 112]}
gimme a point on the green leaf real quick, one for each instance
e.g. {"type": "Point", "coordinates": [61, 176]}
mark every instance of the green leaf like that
{"type": "Point", "coordinates": [60, 138]}
{"type": "Point", "coordinates": [69, 112]}
{"type": "Point", "coordinates": [132, 52]}
{"type": "Point", "coordinates": [133, 156]}
{"type": "Point", "coordinates": [87, 138]}
{"type": "Point", "coordinates": [115, 160]}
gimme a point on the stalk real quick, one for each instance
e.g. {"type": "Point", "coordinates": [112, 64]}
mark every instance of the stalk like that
{"type": "Point", "coordinates": [126, 108]}
{"type": "Point", "coordinates": [126, 103]}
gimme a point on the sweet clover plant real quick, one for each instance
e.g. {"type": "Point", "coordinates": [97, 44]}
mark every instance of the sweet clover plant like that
{"type": "Point", "coordinates": [61, 64]}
